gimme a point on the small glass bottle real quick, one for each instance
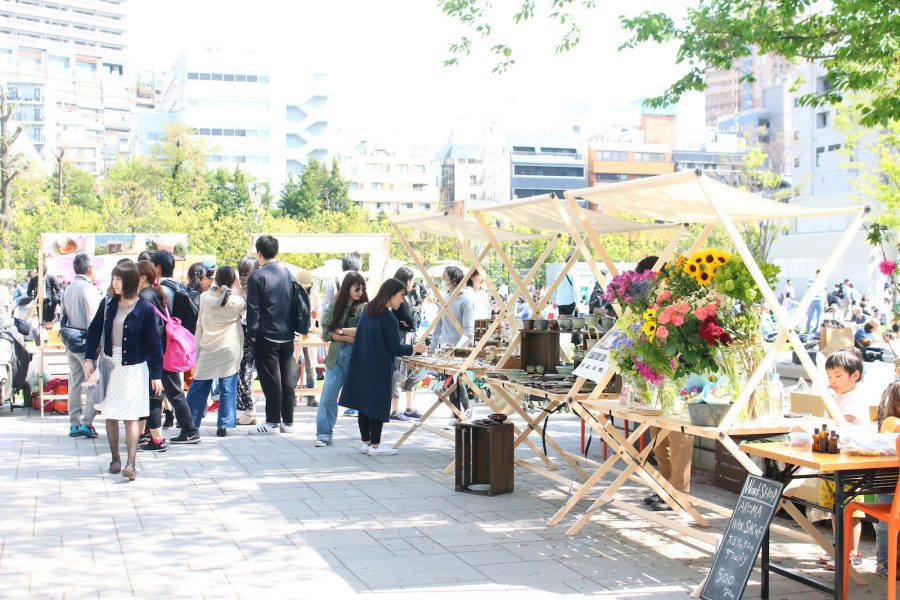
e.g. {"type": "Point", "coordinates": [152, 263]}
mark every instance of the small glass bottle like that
{"type": "Point", "coordinates": [815, 440]}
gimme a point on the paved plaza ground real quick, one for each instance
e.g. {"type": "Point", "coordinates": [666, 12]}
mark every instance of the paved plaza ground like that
{"type": "Point", "coordinates": [274, 517]}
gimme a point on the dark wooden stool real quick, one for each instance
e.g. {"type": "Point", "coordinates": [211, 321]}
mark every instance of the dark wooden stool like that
{"type": "Point", "coordinates": [484, 455]}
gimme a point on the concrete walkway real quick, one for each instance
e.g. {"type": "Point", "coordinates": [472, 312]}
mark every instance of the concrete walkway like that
{"type": "Point", "coordinates": [274, 517]}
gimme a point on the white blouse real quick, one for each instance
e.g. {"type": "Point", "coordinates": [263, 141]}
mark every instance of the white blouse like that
{"type": "Point", "coordinates": [219, 336]}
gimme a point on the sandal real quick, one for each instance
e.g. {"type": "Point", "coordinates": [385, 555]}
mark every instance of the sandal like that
{"type": "Point", "coordinates": [129, 472]}
{"type": "Point", "coordinates": [115, 467]}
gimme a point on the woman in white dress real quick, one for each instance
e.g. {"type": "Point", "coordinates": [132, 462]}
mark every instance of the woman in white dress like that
{"type": "Point", "coordinates": [125, 332]}
{"type": "Point", "coordinates": [481, 299]}
{"type": "Point", "coordinates": [220, 344]}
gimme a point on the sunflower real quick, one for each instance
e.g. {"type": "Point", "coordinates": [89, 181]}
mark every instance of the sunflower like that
{"type": "Point", "coordinates": [704, 278]}
{"type": "Point", "coordinates": [709, 257]}
{"type": "Point", "coordinates": [649, 314]}
{"type": "Point", "coordinates": [691, 268]}
{"type": "Point", "coordinates": [697, 258]}
{"type": "Point", "coordinates": [722, 258]}
{"type": "Point", "coordinates": [649, 329]}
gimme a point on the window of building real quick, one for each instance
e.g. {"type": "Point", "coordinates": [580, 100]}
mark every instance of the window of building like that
{"type": "Point", "coordinates": [821, 120]}
{"type": "Point", "coordinates": [823, 85]}
{"type": "Point", "coordinates": [215, 132]}
{"type": "Point", "coordinates": [796, 134]}
{"type": "Point", "coordinates": [252, 78]}
{"type": "Point", "coordinates": [264, 79]}
{"type": "Point", "coordinates": [418, 187]}
{"type": "Point", "coordinates": [204, 131]}
{"type": "Point", "coordinates": [378, 205]}
{"type": "Point", "coordinates": [240, 78]}
{"type": "Point", "coordinates": [610, 177]}
{"type": "Point", "coordinates": [377, 186]}
{"type": "Point", "coordinates": [819, 151]}
{"type": "Point", "coordinates": [550, 150]}
{"type": "Point", "coordinates": [418, 168]}
{"type": "Point", "coordinates": [409, 205]}
{"type": "Point", "coordinates": [216, 77]}
{"type": "Point", "coordinates": [354, 185]}
{"type": "Point", "coordinates": [548, 171]}
{"type": "Point", "coordinates": [204, 76]}
{"type": "Point", "coordinates": [650, 156]}
{"type": "Point", "coordinates": [473, 179]}
{"type": "Point", "coordinates": [797, 162]}
{"type": "Point", "coordinates": [473, 197]}
{"type": "Point", "coordinates": [228, 132]}
{"type": "Point", "coordinates": [240, 133]}
{"type": "Point", "coordinates": [523, 148]}
{"type": "Point", "coordinates": [609, 155]}
{"type": "Point", "coordinates": [427, 206]}
{"type": "Point", "coordinates": [834, 147]}
{"type": "Point", "coordinates": [228, 77]}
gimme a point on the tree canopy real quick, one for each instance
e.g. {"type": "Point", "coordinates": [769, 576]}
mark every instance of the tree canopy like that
{"type": "Point", "coordinates": [857, 41]}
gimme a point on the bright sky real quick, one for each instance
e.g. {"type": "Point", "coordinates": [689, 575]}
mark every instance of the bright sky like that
{"type": "Point", "coordinates": [384, 61]}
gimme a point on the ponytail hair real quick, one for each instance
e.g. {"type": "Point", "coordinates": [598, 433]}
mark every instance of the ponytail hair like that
{"type": "Point", "coordinates": [225, 277]}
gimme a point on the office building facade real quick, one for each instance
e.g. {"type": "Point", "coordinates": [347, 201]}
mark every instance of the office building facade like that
{"type": "Point", "coordinates": [63, 66]}
{"type": "Point", "coordinates": [391, 181]}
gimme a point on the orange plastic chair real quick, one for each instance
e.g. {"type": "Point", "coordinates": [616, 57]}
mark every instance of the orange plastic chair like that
{"type": "Point", "coordinates": [890, 513]}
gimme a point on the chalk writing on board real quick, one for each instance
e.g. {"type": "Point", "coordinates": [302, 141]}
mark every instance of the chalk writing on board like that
{"type": "Point", "coordinates": [740, 545]}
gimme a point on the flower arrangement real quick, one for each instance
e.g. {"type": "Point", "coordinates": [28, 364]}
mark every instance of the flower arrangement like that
{"type": "Point", "coordinates": [693, 317]}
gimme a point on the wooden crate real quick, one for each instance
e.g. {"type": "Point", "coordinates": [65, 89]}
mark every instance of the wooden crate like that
{"type": "Point", "coordinates": [484, 454]}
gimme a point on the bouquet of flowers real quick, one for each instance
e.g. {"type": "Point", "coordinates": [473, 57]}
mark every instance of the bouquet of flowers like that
{"type": "Point", "coordinates": [690, 318]}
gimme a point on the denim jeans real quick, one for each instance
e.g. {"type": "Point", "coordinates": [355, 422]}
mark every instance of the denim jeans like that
{"type": "Point", "coordinates": [814, 315]}
{"type": "Point", "coordinates": [198, 394]}
{"type": "Point", "coordinates": [881, 534]}
{"type": "Point", "coordinates": [326, 414]}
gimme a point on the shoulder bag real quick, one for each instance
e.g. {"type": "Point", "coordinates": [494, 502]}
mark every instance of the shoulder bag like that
{"type": "Point", "coordinates": [95, 387]}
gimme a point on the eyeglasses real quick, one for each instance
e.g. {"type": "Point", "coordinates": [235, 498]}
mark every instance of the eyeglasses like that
{"type": "Point", "coordinates": [359, 288]}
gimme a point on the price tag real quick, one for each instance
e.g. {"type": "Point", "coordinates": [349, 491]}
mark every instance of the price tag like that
{"type": "Point", "coordinates": [597, 361]}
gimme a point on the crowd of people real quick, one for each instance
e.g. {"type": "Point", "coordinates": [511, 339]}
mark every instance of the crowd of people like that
{"type": "Point", "coordinates": [123, 346]}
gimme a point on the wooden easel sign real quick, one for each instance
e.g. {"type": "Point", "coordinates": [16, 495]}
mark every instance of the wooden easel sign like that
{"type": "Point", "coordinates": [740, 545]}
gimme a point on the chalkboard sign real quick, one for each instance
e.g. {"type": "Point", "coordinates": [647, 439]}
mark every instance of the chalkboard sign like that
{"type": "Point", "coordinates": [737, 551]}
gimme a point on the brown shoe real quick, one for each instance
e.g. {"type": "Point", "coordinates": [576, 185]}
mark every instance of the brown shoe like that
{"type": "Point", "coordinates": [129, 472]}
{"type": "Point", "coordinates": [115, 467]}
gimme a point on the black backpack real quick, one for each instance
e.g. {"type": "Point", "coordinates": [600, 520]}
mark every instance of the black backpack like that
{"type": "Point", "coordinates": [185, 304]}
{"type": "Point", "coordinates": [300, 313]}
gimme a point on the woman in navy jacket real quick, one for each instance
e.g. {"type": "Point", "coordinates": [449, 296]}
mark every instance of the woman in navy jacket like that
{"type": "Point", "coordinates": [126, 323]}
{"type": "Point", "coordinates": [368, 385]}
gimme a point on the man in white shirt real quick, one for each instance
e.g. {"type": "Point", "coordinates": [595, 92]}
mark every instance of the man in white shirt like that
{"type": "Point", "coordinates": [79, 305]}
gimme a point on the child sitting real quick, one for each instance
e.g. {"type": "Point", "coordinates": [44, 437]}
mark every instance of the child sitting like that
{"type": "Point", "coordinates": [844, 370]}
{"type": "Point", "coordinates": [888, 422]}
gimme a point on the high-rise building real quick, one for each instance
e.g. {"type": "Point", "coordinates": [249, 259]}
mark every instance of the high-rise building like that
{"type": "Point", "coordinates": [462, 176]}
{"type": "Point", "coordinates": [248, 111]}
{"type": "Point", "coordinates": [392, 182]}
{"type": "Point", "coordinates": [822, 178]}
{"type": "Point", "coordinates": [726, 94]}
{"type": "Point", "coordinates": [525, 165]}
{"type": "Point", "coordinates": [63, 65]}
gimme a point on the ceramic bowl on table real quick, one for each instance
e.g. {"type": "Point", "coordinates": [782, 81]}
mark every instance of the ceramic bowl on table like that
{"type": "Point", "coordinates": [577, 322]}
{"type": "Point", "coordinates": [592, 321]}
{"type": "Point", "coordinates": [528, 324]}
{"type": "Point", "coordinates": [565, 369]}
{"type": "Point", "coordinates": [540, 324]}
{"type": "Point", "coordinates": [565, 324]}
{"type": "Point", "coordinates": [497, 417]}
{"type": "Point", "coordinates": [539, 369]}
{"type": "Point", "coordinates": [530, 369]}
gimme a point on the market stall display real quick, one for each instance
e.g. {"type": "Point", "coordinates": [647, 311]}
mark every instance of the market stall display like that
{"type": "Point", "coordinates": [466, 233]}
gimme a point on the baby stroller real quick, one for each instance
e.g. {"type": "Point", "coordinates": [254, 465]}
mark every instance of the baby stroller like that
{"type": "Point", "coordinates": [14, 361]}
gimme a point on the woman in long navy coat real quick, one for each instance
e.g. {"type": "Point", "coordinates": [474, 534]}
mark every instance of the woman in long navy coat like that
{"type": "Point", "coordinates": [368, 385]}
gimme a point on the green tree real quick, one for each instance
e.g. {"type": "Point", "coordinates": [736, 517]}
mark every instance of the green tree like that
{"type": "Point", "coordinates": [299, 201]}
{"type": "Point", "coordinates": [79, 187]}
{"type": "Point", "coordinates": [756, 178]}
{"type": "Point", "coordinates": [857, 41]}
{"type": "Point", "coordinates": [228, 192]}
{"type": "Point", "coordinates": [12, 164]}
{"type": "Point", "coordinates": [180, 165]}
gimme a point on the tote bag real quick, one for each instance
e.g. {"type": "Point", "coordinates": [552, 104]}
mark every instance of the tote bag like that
{"type": "Point", "coordinates": [832, 339]}
{"type": "Point", "coordinates": [96, 385]}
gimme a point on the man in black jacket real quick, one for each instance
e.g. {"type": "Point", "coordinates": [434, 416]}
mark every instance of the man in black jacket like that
{"type": "Point", "coordinates": [269, 291]}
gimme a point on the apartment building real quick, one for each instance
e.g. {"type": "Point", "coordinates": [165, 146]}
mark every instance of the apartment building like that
{"type": "Point", "coordinates": [524, 165]}
{"type": "Point", "coordinates": [63, 66]}
{"type": "Point", "coordinates": [610, 161]}
{"type": "Point", "coordinates": [394, 182]}
{"type": "Point", "coordinates": [248, 112]}
{"type": "Point", "coordinates": [462, 177]}
{"type": "Point", "coordinates": [727, 95]}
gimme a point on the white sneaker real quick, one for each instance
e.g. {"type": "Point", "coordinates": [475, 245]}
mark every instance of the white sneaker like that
{"type": "Point", "coordinates": [264, 429]}
{"type": "Point", "coordinates": [382, 450]}
{"type": "Point", "coordinates": [321, 443]}
{"type": "Point", "coordinates": [286, 428]}
{"type": "Point", "coordinates": [451, 424]}
{"type": "Point", "coordinates": [364, 448]}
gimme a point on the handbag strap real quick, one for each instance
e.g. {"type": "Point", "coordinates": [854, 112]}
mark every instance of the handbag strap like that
{"type": "Point", "coordinates": [103, 329]}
